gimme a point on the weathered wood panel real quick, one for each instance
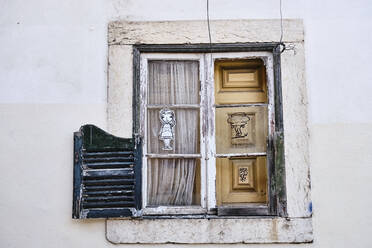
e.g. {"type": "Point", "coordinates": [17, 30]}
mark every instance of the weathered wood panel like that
{"type": "Point", "coordinates": [105, 175]}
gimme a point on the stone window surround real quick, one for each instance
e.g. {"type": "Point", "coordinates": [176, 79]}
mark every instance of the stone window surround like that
{"type": "Point", "coordinates": [297, 227]}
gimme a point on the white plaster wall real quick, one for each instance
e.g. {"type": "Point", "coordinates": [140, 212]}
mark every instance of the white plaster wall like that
{"type": "Point", "coordinates": [53, 57]}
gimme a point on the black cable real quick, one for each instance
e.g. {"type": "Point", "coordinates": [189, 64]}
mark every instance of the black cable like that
{"type": "Point", "coordinates": [281, 27]}
{"type": "Point", "coordinates": [209, 26]}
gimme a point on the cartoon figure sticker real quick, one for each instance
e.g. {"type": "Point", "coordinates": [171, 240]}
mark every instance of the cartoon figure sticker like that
{"type": "Point", "coordinates": [168, 121]}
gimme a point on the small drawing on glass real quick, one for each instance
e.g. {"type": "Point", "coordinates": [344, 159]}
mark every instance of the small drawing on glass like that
{"type": "Point", "coordinates": [168, 121]}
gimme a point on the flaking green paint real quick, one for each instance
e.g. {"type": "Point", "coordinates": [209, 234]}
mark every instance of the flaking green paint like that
{"type": "Point", "coordinates": [280, 186]}
{"type": "Point", "coordinates": [95, 138]}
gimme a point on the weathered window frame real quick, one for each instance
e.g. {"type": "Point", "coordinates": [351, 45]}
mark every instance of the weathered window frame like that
{"type": "Point", "coordinates": [275, 151]}
{"type": "Point", "coordinates": [141, 129]}
{"type": "Point", "coordinates": [297, 226]}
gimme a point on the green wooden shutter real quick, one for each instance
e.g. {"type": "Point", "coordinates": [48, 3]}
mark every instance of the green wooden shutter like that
{"type": "Point", "coordinates": [107, 175]}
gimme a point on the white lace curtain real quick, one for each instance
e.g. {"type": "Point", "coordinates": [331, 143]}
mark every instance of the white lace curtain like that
{"type": "Point", "coordinates": [171, 181]}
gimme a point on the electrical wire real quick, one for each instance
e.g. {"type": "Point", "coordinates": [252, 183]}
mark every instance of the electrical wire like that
{"type": "Point", "coordinates": [281, 43]}
{"type": "Point", "coordinates": [281, 22]}
{"type": "Point", "coordinates": [209, 26]}
{"type": "Point", "coordinates": [209, 35]}
{"type": "Point", "coordinates": [281, 27]}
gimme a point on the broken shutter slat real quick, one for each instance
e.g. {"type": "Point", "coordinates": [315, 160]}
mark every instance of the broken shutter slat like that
{"type": "Point", "coordinates": [107, 174]}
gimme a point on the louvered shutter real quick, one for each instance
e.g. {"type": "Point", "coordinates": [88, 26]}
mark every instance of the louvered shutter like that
{"type": "Point", "coordinates": [107, 175]}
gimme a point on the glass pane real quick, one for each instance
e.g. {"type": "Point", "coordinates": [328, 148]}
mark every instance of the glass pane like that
{"type": "Point", "coordinates": [173, 82]}
{"type": "Point", "coordinates": [241, 129]}
{"type": "Point", "coordinates": [173, 182]}
{"type": "Point", "coordinates": [183, 132]}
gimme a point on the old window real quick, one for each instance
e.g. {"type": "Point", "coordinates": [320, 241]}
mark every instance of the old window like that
{"type": "Point", "coordinates": [288, 202]}
{"type": "Point", "coordinates": [204, 127]}
{"type": "Point", "coordinates": [239, 80]}
{"type": "Point", "coordinates": [207, 121]}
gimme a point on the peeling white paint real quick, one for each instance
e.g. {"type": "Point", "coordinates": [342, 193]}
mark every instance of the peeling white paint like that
{"type": "Point", "coordinates": [222, 31]}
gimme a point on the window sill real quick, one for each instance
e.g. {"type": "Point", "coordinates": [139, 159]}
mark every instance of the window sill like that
{"type": "Point", "coordinates": [173, 210]}
{"type": "Point", "coordinates": [210, 230]}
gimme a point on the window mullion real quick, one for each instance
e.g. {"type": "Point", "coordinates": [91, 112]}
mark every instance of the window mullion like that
{"type": "Point", "coordinates": [210, 137]}
{"type": "Point", "coordinates": [203, 132]}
